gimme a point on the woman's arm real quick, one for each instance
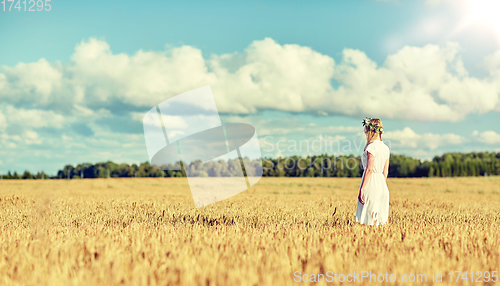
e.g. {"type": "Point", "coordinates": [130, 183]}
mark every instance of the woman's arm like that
{"type": "Point", "coordinates": [366, 177]}
{"type": "Point", "coordinates": [386, 168]}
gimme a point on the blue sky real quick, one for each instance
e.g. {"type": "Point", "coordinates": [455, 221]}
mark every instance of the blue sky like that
{"type": "Point", "coordinates": [75, 80]}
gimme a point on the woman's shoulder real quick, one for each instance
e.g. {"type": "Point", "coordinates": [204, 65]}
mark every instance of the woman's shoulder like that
{"type": "Point", "coordinates": [375, 143]}
{"type": "Point", "coordinates": [372, 146]}
{"type": "Point", "coordinates": [375, 146]}
{"type": "Point", "coordinates": [386, 148]}
{"type": "Point", "coordinates": [385, 145]}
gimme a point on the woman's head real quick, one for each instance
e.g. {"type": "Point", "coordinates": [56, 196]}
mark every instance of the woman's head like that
{"type": "Point", "coordinates": [373, 128]}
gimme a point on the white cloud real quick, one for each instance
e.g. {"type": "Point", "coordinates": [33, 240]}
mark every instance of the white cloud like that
{"type": "Point", "coordinates": [174, 121]}
{"type": "Point", "coordinates": [26, 119]}
{"type": "Point", "coordinates": [304, 129]}
{"type": "Point", "coordinates": [83, 111]}
{"type": "Point", "coordinates": [34, 117]}
{"type": "Point", "coordinates": [144, 79]}
{"type": "Point", "coordinates": [31, 137]}
{"type": "Point", "coordinates": [36, 81]}
{"type": "Point", "coordinates": [9, 141]}
{"type": "Point", "coordinates": [407, 138]}
{"type": "Point", "coordinates": [436, 3]}
{"type": "Point", "coordinates": [492, 63]}
{"type": "Point", "coordinates": [272, 76]}
{"type": "Point", "coordinates": [426, 83]}
{"type": "Point", "coordinates": [3, 121]}
{"type": "Point", "coordinates": [66, 138]}
{"type": "Point", "coordinates": [488, 137]}
{"type": "Point", "coordinates": [432, 3]}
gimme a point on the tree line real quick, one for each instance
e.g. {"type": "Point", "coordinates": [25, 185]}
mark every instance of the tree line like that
{"type": "Point", "coordinates": [447, 165]}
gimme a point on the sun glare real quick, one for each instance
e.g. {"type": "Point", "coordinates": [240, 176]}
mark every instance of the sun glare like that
{"type": "Point", "coordinates": [484, 12]}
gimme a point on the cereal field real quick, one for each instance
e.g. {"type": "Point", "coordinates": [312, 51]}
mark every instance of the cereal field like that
{"type": "Point", "coordinates": [147, 232]}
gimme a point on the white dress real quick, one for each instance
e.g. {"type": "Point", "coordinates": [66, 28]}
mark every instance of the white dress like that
{"type": "Point", "coordinates": [376, 194]}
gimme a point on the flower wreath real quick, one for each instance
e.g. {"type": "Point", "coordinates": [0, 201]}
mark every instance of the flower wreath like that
{"type": "Point", "coordinates": [373, 127]}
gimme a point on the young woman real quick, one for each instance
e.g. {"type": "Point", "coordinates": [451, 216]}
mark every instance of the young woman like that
{"type": "Point", "coordinates": [373, 198]}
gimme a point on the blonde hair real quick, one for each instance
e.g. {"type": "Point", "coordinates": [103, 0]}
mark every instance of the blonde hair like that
{"type": "Point", "coordinates": [371, 134]}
